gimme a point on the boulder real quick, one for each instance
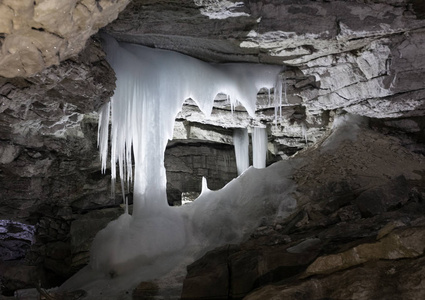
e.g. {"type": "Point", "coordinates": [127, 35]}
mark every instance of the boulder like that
{"type": "Point", "coordinates": [35, 35]}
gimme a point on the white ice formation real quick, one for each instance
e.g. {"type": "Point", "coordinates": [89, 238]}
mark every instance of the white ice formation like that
{"type": "Point", "coordinates": [259, 147]}
{"type": "Point", "coordinates": [151, 87]}
{"type": "Point", "coordinates": [241, 144]}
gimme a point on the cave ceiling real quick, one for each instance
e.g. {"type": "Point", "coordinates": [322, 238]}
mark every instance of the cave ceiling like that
{"type": "Point", "coordinates": [363, 56]}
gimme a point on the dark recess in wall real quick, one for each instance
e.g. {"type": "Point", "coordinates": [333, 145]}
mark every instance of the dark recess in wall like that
{"type": "Point", "coordinates": [419, 8]}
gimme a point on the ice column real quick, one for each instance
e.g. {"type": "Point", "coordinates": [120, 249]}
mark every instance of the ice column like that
{"type": "Point", "coordinates": [241, 143]}
{"type": "Point", "coordinates": [259, 147]}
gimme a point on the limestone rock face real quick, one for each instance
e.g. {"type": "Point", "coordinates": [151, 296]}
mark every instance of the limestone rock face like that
{"type": "Point", "coordinates": [362, 57]}
{"type": "Point", "coordinates": [49, 167]}
{"type": "Point", "coordinates": [37, 34]}
{"type": "Point", "coordinates": [186, 164]}
{"type": "Point", "coordinates": [43, 129]}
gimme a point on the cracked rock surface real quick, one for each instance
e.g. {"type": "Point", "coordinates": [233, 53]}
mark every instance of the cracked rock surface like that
{"type": "Point", "coordinates": [364, 56]}
{"type": "Point", "coordinates": [37, 34]}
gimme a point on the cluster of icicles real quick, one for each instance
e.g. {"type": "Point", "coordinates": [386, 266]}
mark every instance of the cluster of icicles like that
{"type": "Point", "coordinates": [151, 87]}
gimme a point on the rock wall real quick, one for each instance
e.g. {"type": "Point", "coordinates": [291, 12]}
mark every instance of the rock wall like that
{"type": "Point", "coordinates": [359, 56]}
{"type": "Point", "coordinates": [49, 166]}
{"type": "Point", "coordinates": [44, 129]}
{"type": "Point", "coordinates": [186, 165]}
{"type": "Point", "coordinates": [37, 34]}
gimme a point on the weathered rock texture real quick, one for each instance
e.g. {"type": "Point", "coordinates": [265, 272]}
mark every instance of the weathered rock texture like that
{"type": "Point", "coordinates": [359, 225]}
{"type": "Point", "coordinates": [49, 165]}
{"type": "Point", "coordinates": [37, 34]}
{"type": "Point", "coordinates": [44, 129]}
{"type": "Point", "coordinates": [360, 56]}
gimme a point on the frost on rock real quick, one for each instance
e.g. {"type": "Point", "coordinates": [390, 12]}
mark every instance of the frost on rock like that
{"type": "Point", "coordinates": [15, 239]}
{"type": "Point", "coordinates": [344, 127]}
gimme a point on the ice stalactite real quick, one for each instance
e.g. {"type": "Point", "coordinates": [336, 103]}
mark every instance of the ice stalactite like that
{"type": "Point", "coordinates": [151, 87]}
{"type": "Point", "coordinates": [103, 134]}
{"type": "Point", "coordinates": [259, 147]}
{"type": "Point", "coordinates": [241, 144]}
{"type": "Point", "coordinates": [278, 102]}
{"type": "Point", "coordinates": [304, 131]}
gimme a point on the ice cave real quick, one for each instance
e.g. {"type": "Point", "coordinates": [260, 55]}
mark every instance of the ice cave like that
{"type": "Point", "coordinates": [212, 149]}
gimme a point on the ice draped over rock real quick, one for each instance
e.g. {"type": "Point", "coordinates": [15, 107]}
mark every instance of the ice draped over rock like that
{"type": "Point", "coordinates": [151, 87]}
{"type": "Point", "coordinates": [361, 56]}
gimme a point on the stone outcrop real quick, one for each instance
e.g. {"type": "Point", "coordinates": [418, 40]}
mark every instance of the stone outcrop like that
{"type": "Point", "coordinates": [37, 34]}
{"type": "Point", "coordinates": [49, 166]}
{"type": "Point", "coordinates": [44, 129]}
{"type": "Point", "coordinates": [332, 239]}
{"type": "Point", "coordinates": [373, 280]}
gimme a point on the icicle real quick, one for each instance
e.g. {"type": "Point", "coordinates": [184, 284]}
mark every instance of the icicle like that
{"type": "Point", "coordinates": [103, 134]}
{"type": "Point", "coordinates": [304, 131]}
{"type": "Point", "coordinates": [280, 102]}
{"type": "Point", "coordinates": [268, 102]}
{"type": "Point", "coordinates": [123, 190]}
{"type": "Point", "coordinates": [259, 147]}
{"type": "Point", "coordinates": [232, 106]}
{"type": "Point", "coordinates": [277, 96]}
{"type": "Point", "coordinates": [204, 188]}
{"type": "Point", "coordinates": [241, 144]}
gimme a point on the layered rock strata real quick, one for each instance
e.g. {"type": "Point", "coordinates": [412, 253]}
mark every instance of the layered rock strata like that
{"type": "Point", "coordinates": [49, 166]}
{"type": "Point", "coordinates": [362, 57]}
